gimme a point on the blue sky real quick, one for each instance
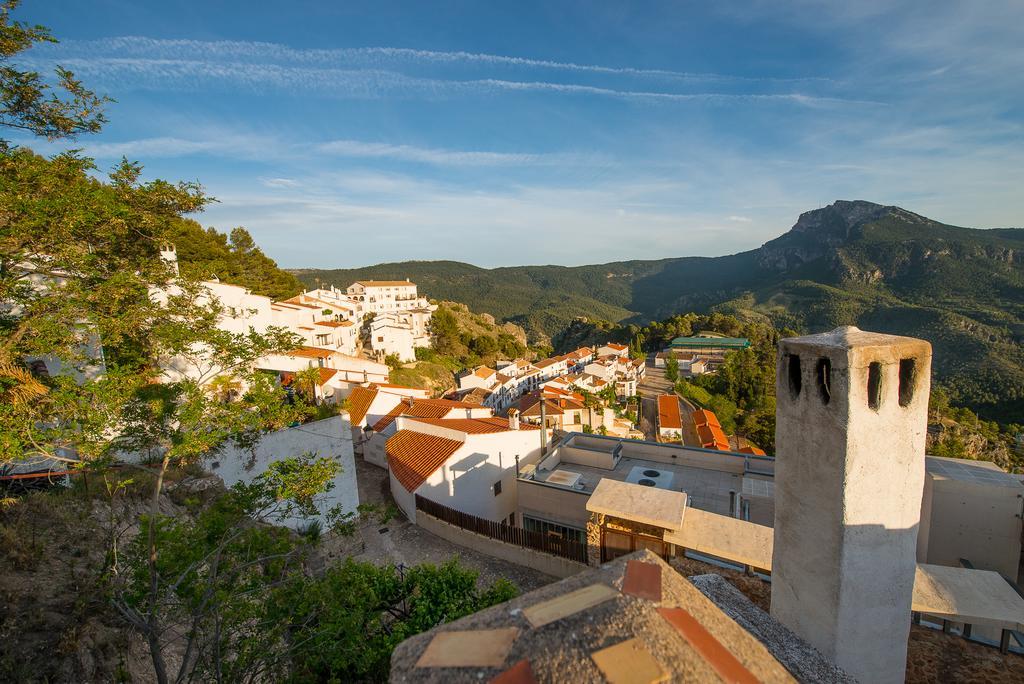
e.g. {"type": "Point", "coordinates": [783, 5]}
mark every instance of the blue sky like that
{"type": "Point", "coordinates": [349, 133]}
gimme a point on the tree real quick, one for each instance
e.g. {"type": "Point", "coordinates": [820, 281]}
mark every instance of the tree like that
{"type": "Point", "coordinates": [672, 369]}
{"type": "Point", "coordinates": [346, 623]}
{"type": "Point", "coordinates": [307, 381]}
{"type": "Point", "coordinates": [27, 102]}
{"type": "Point", "coordinates": [134, 359]}
{"type": "Point", "coordinates": [216, 576]}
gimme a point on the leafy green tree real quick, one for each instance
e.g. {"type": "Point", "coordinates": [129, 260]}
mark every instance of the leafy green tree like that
{"type": "Point", "coordinates": [346, 623]}
{"type": "Point", "coordinates": [215, 576]}
{"type": "Point", "coordinates": [27, 102]}
{"type": "Point", "coordinates": [672, 369]}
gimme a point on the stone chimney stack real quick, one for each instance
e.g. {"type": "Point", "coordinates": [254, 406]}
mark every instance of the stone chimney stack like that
{"type": "Point", "coordinates": [513, 419]}
{"type": "Point", "coordinates": [170, 254]}
{"type": "Point", "coordinates": [852, 414]}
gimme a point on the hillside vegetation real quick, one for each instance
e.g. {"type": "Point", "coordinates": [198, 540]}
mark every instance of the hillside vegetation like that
{"type": "Point", "coordinates": [851, 263]}
{"type": "Point", "coordinates": [236, 259]}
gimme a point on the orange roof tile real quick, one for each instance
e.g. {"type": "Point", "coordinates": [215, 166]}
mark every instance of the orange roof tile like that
{"type": "Point", "coordinates": [753, 450]}
{"type": "Point", "coordinates": [668, 412]}
{"type": "Point", "coordinates": [705, 417]}
{"type": "Point", "coordinates": [312, 352]}
{"type": "Point", "coordinates": [326, 374]}
{"type": "Point", "coordinates": [359, 403]}
{"type": "Point", "coordinates": [475, 426]}
{"type": "Point", "coordinates": [618, 347]}
{"type": "Point", "coordinates": [414, 456]}
{"type": "Point", "coordinates": [335, 324]}
{"type": "Point", "coordinates": [712, 437]}
{"type": "Point", "coordinates": [422, 408]}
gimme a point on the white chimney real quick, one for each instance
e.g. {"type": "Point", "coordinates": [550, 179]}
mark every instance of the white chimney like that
{"type": "Point", "coordinates": [852, 414]}
{"type": "Point", "coordinates": [513, 419]}
{"type": "Point", "coordinates": [170, 254]}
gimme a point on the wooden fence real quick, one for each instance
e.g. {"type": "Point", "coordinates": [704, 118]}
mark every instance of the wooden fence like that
{"type": "Point", "coordinates": [503, 532]}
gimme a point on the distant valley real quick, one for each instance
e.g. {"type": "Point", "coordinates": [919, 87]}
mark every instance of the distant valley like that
{"type": "Point", "coordinates": [852, 262]}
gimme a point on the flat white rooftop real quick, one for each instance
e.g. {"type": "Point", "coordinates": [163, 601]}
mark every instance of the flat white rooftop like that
{"type": "Point", "coordinates": [648, 505]}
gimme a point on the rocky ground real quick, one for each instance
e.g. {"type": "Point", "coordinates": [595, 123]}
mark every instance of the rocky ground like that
{"type": "Point", "coordinates": [399, 541]}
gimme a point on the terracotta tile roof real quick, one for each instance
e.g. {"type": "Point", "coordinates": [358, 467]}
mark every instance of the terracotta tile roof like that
{"type": "Point", "coordinates": [705, 417]}
{"type": "Point", "coordinates": [712, 437]}
{"type": "Point", "coordinates": [548, 362]}
{"type": "Point", "coordinates": [484, 372]}
{"type": "Point", "coordinates": [359, 403]}
{"type": "Point", "coordinates": [475, 426]}
{"type": "Point", "coordinates": [668, 412]}
{"type": "Point", "coordinates": [326, 374]}
{"type": "Point", "coordinates": [753, 450]}
{"type": "Point", "coordinates": [414, 456]}
{"type": "Point", "coordinates": [312, 352]}
{"type": "Point", "coordinates": [335, 324]}
{"type": "Point", "coordinates": [502, 378]}
{"type": "Point", "coordinates": [422, 408]}
{"type": "Point", "coordinates": [390, 416]}
{"type": "Point", "coordinates": [617, 347]}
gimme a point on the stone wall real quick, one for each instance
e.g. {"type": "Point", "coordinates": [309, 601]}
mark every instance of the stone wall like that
{"type": "Point", "coordinates": [556, 566]}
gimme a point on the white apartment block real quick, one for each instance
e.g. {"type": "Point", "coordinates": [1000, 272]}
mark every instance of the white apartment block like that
{"type": "Point", "coordinates": [331, 323]}
{"type": "Point", "coordinates": [390, 334]}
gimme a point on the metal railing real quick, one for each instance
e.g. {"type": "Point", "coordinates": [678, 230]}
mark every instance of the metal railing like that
{"type": "Point", "coordinates": [503, 532]}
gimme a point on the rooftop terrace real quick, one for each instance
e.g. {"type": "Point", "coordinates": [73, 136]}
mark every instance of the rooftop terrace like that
{"type": "Point", "coordinates": [707, 476]}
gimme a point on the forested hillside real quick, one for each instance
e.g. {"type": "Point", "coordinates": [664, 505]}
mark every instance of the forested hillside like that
{"type": "Point", "coordinates": [233, 258]}
{"type": "Point", "coordinates": [878, 267]}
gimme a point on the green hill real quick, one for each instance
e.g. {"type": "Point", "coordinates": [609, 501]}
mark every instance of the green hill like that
{"type": "Point", "coordinates": [860, 263]}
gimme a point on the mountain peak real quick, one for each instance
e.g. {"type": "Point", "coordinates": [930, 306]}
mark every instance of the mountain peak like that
{"type": "Point", "coordinates": [819, 230]}
{"type": "Point", "coordinates": [836, 223]}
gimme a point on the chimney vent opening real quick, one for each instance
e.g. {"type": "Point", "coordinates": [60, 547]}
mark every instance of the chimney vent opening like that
{"type": "Point", "coordinates": [795, 380]}
{"type": "Point", "coordinates": [823, 376]}
{"type": "Point", "coordinates": [874, 385]}
{"type": "Point", "coordinates": [908, 378]}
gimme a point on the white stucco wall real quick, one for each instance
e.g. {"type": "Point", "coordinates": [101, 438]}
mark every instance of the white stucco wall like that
{"type": "Point", "coordinates": [466, 481]}
{"type": "Point", "coordinates": [331, 437]}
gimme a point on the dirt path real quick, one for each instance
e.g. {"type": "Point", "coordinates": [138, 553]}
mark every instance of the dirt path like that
{"type": "Point", "coordinates": [399, 541]}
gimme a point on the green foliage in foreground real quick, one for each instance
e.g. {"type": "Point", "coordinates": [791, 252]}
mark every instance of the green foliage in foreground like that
{"type": "Point", "coordinates": [347, 622]}
{"type": "Point", "coordinates": [249, 610]}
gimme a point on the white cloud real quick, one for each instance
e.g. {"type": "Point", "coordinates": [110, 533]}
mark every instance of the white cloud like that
{"type": "Point", "coordinates": [740, 219]}
{"type": "Point", "coordinates": [443, 157]}
{"type": "Point", "coordinates": [373, 57]}
{"type": "Point", "coordinates": [279, 182]}
{"type": "Point", "coordinates": [190, 75]}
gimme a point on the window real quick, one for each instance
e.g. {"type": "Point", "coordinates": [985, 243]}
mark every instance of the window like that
{"type": "Point", "coordinates": [874, 385]}
{"type": "Point", "coordinates": [908, 378]}
{"type": "Point", "coordinates": [497, 488]}
{"type": "Point", "coordinates": [554, 530]}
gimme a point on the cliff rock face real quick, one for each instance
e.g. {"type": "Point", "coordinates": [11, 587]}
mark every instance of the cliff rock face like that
{"type": "Point", "coordinates": [816, 233]}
